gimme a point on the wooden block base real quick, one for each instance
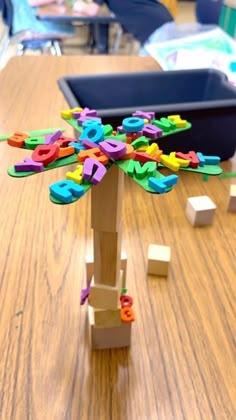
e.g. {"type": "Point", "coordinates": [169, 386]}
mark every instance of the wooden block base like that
{"type": "Point", "coordinates": [111, 337]}
{"type": "Point", "coordinates": [105, 318]}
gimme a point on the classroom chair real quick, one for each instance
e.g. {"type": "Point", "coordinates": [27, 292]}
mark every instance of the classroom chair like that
{"type": "Point", "coordinates": [27, 40]}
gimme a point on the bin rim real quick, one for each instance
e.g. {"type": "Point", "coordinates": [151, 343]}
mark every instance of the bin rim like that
{"type": "Point", "coordinates": [174, 107]}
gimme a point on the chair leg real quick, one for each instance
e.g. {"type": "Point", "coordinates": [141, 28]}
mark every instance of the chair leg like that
{"type": "Point", "coordinates": [91, 38]}
{"type": "Point", "coordinates": [131, 44]}
{"type": "Point", "coordinates": [4, 44]}
{"type": "Point", "coordinates": [51, 48]}
{"type": "Point", "coordinates": [127, 38]}
{"type": "Point", "coordinates": [20, 49]}
{"type": "Point", "coordinates": [45, 48]}
{"type": "Point", "coordinates": [101, 38]}
{"type": "Point", "coordinates": [57, 48]}
{"type": "Point", "coordinates": [117, 41]}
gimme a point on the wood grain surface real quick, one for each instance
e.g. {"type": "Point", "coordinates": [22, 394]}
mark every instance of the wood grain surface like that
{"type": "Point", "coordinates": [181, 364]}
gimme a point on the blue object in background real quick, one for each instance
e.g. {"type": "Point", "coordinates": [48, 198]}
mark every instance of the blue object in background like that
{"type": "Point", "coordinates": [208, 11]}
{"type": "Point", "coordinates": [232, 66]}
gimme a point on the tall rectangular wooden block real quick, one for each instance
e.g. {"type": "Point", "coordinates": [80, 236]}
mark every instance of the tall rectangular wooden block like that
{"type": "Point", "coordinates": [111, 337]}
{"type": "Point", "coordinates": [89, 262]}
{"type": "Point", "coordinates": [106, 201]}
{"type": "Point", "coordinates": [105, 297]}
{"type": "Point", "coordinates": [107, 250]}
{"type": "Point", "coordinates": [123, 267]}
{"type": "Point", "coordinates": [89, 265]}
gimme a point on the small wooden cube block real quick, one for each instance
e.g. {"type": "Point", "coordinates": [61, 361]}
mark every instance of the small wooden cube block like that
{"type": "Point", "coordinates": [232, 198]}
{"type": "Point", "coordinates": [107, 317]}
{"type": "Point", "coordinates": [103, 296]}
{"type": "Point", "coordinates": [200, 210]}
{"type": "Point", "coordinates": [110, 337]}
{"type": "Point", "coordinates": [158, 259]}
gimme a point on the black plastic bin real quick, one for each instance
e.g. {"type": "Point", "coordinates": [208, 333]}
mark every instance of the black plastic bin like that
{"type": "Point", "coordinates": [203, 97]}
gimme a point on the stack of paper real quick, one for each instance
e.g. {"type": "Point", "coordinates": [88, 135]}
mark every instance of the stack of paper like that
{"type": "Point", "coordinates": [211, 49]}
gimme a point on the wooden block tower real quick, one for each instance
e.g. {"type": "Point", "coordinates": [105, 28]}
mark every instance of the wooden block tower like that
{"type": "Point", "coordinates": [104, 156]}
{"type": "Point", "coordinates": [110, 313]}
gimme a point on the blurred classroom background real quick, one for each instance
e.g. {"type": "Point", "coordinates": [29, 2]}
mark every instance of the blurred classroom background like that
{"type": "Point", "coordinates": [184, 12]}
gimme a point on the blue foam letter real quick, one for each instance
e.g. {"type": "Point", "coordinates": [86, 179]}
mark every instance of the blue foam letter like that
{"type": "Point", "coordinates": [65, 190]}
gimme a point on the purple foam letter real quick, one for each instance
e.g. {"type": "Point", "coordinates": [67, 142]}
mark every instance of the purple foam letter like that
{"type": "Point", "coordinates": [152, 131]}
{"type": "Point", "coordinates": [149, 115]}
{"type": "Point", "coordinates": [93, 170]}
{"type": "Point", "coordinates": [29, 165]}
{"type": "Point", "coordinates": [113, 148]}
{"type": "Point", "coordinates": [51, 138]}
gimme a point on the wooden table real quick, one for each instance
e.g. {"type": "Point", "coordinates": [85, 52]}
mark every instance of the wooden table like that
{"type": "Point", "coordinates": [64, 14]}
{"type": "Point", "coordinates": [54, 12]}
{"type": "Point", "coordinates": [181, 364]}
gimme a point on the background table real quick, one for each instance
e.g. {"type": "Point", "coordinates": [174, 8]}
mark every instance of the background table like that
{"type": "Point", "coordinates": [181, 364]}
{"type": "Point", "coordinates": [66, 14]}
{"type": "Point", "coordinates": [99, 25]}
